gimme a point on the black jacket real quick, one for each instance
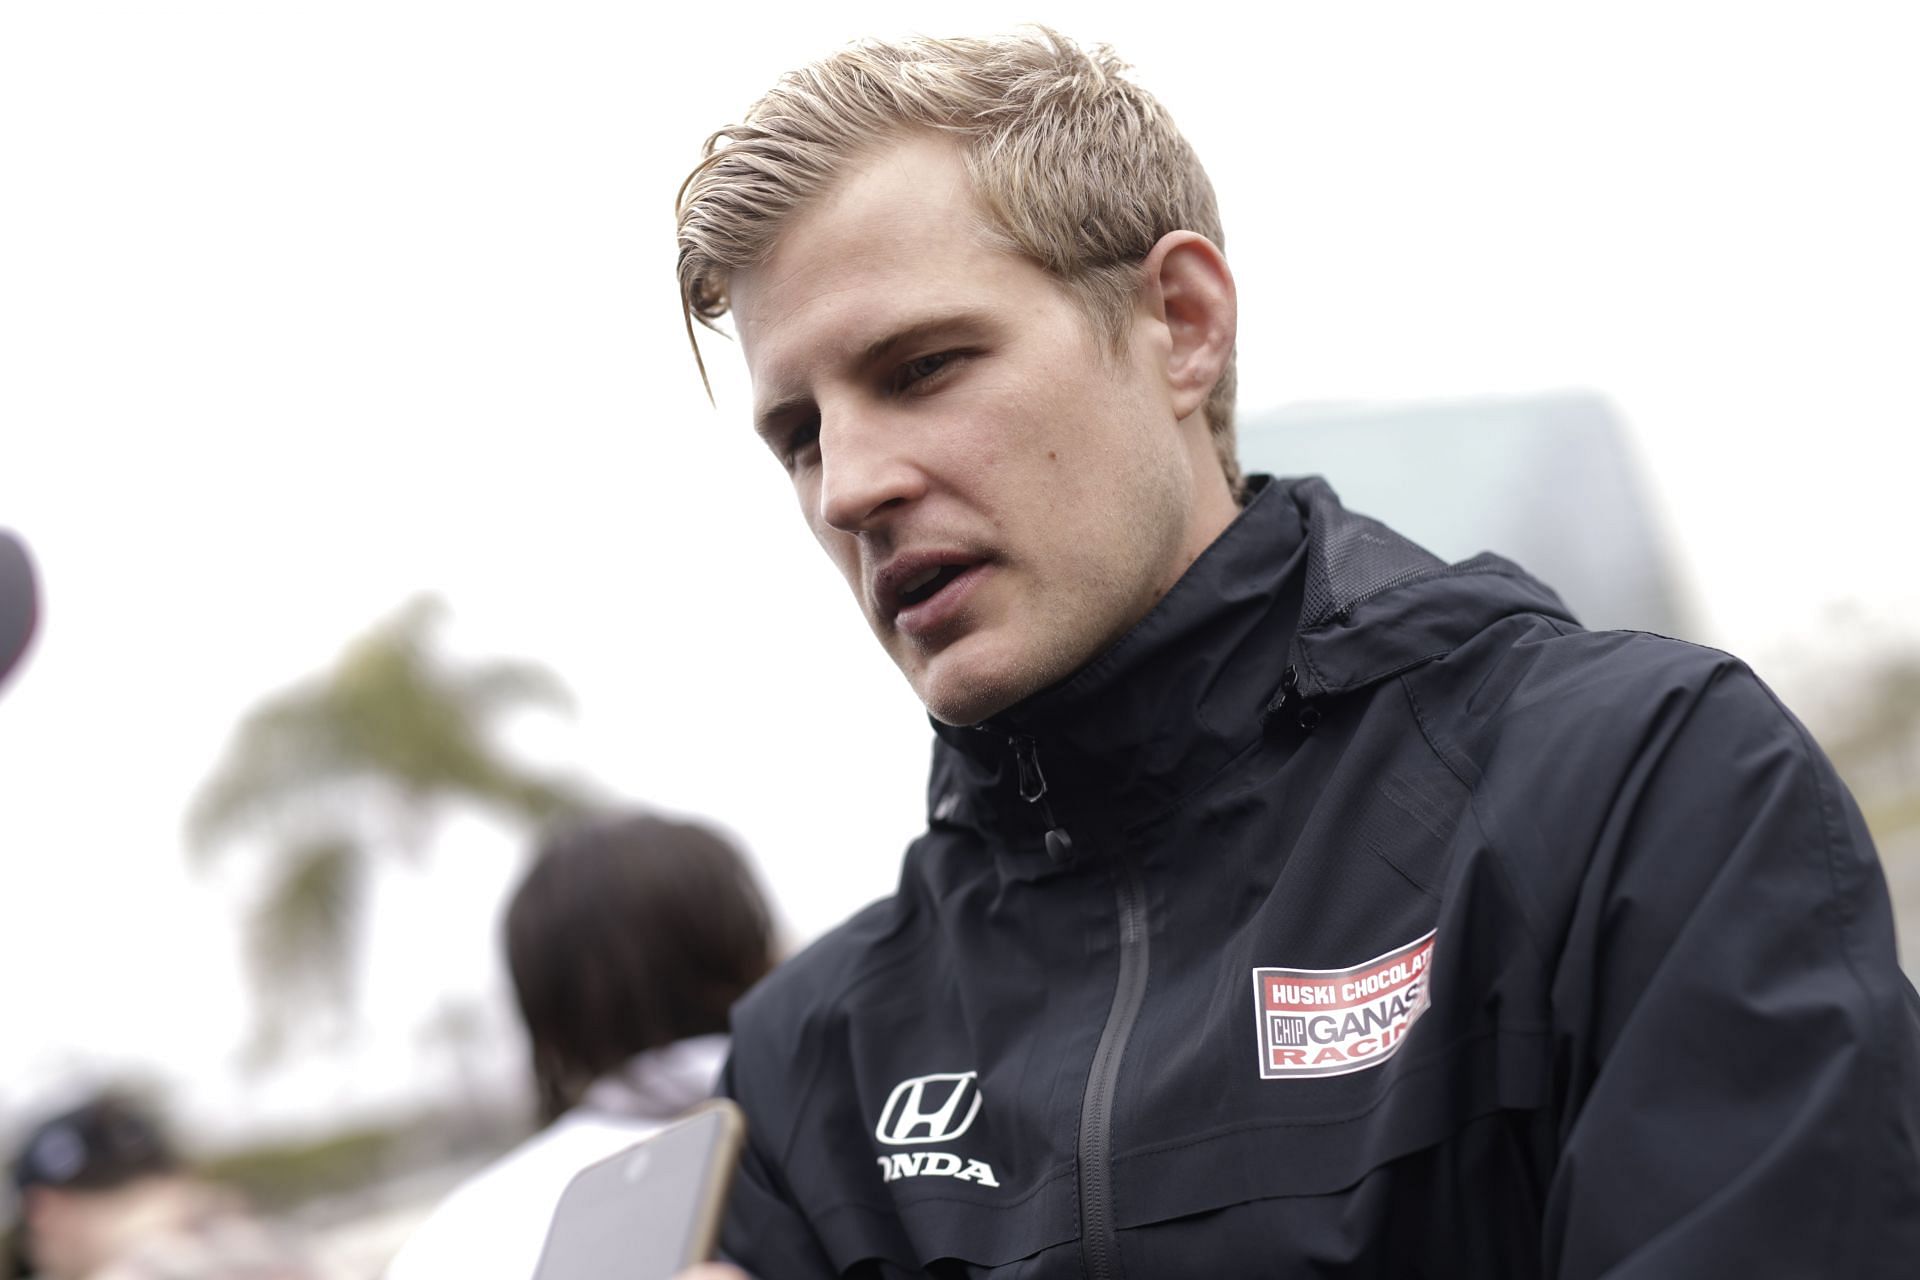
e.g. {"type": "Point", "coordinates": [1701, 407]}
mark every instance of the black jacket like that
{"type": "Point", "coordinates": [1390, 924]}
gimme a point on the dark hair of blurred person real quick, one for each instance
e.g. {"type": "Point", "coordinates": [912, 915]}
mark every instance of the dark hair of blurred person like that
{"type": "Point", "coordinates": [104, 1196]}
{"type": "Point", "coordinates": [628, 940]}
{"type": "Point", "coordinates": [627, 935]}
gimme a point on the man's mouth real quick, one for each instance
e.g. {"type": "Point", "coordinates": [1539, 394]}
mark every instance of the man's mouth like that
{"type": "Point", "coordinates": [928, 583]}
{"type": "Point", "coordinates": [919, 593]}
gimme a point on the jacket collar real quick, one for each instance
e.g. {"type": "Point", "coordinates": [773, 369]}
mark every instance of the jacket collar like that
{"type": "Point", "coordinates": [1298, 600]}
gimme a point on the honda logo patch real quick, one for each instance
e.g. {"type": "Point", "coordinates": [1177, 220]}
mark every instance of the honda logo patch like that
{"type": "Point", "coordinates": [1328, 1022]}
{"type": "Point", "coordinates": [933, 1108]}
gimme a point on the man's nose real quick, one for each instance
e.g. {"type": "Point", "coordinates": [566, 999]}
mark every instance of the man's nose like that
{"type": "Point", "coordinates": [866, 471]}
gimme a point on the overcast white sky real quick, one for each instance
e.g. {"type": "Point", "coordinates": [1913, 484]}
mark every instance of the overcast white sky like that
{"type": "Point", "coordinates": [306, 308]}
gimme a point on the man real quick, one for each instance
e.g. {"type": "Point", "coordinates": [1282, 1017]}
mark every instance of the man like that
{"type": "Point", "coordinates": [1291, 903]}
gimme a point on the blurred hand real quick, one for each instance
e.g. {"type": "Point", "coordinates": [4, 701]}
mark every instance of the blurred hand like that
{"type": "Point", "coordinates": [713, 1271]}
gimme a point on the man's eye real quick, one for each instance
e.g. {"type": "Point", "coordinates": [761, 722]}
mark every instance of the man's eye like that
{"type": "Point", "coordinates": [924, 369]}
{"type": "Point", "coordinates": [798, 441]}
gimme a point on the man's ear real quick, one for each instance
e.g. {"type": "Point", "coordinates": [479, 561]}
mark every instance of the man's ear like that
{"type": "Point", "coordinates": [1186, 285]}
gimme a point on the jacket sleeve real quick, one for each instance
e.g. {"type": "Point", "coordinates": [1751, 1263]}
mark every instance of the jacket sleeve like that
{"type": "Point", "coordinates": [765, 1232]}
{"type": "Point", "coordinates": [1738, 1051]}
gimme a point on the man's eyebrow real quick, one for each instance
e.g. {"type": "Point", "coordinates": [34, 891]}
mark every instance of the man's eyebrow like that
{"type": "Point", "coordinates": [767, 421]}
{"type": "Point", "coordinates": [957, 323]}
{"type": "Point", "coordinates": [965, 325]}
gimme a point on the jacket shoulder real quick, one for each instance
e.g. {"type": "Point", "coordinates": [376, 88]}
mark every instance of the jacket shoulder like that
{"type": "Point", "coordinates": [789, 1031]}
{"type": "Point", "coordinates": [1589, 753]}
{"type": "Point", "coordinates": [812, 983]}
{"type": "Point", "coordinates": [1531, 674]}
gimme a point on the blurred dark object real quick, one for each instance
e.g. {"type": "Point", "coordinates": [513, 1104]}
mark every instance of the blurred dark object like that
{"type": "Point", "coordinates": [19, 601]}
{"type": "Point", "coordinates": [1545, 480]}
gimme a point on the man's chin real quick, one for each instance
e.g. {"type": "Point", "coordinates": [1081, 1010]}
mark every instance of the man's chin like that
{"type": "Point", "coordinates": [965, 710]}
{"type": "Point", "coordinates": [964, 694]}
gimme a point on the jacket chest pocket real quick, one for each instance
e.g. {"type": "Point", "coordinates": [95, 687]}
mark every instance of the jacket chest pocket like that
{"type": "Point", "coordinates": [1467, 1205]}
{"type": "Point", "coordinates": [1416, 1056]}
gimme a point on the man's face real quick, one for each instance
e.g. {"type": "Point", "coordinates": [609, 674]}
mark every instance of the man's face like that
{"type": "Point", "coordinates": [1004, 494]}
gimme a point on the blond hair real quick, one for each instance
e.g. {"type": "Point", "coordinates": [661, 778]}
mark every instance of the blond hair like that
{"type": "Point", "coordinates": [1074, 165]}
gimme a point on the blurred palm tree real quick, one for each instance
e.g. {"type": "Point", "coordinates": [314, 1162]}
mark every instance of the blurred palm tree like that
{"type": "Point", "coordinates": [355, 765]}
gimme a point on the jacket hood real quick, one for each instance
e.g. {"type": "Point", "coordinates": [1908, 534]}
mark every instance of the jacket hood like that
{"type": "Point", "coordinates": [1298, 600]}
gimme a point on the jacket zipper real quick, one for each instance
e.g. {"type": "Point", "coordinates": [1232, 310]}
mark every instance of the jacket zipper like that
{"type": "Point", "coordinates": [1099, 1241]}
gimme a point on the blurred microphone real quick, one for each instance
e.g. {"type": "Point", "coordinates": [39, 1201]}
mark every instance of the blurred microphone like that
{"type": "Point", "coordinates": [19, 603]}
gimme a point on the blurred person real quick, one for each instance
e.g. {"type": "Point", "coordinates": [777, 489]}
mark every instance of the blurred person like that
{"type": "Point", "coordinates": [1291, 902]}
{"type": "Point", "coordinates": [628, 941]}
{"type": "Point", "coordinates": [103, 1196]}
